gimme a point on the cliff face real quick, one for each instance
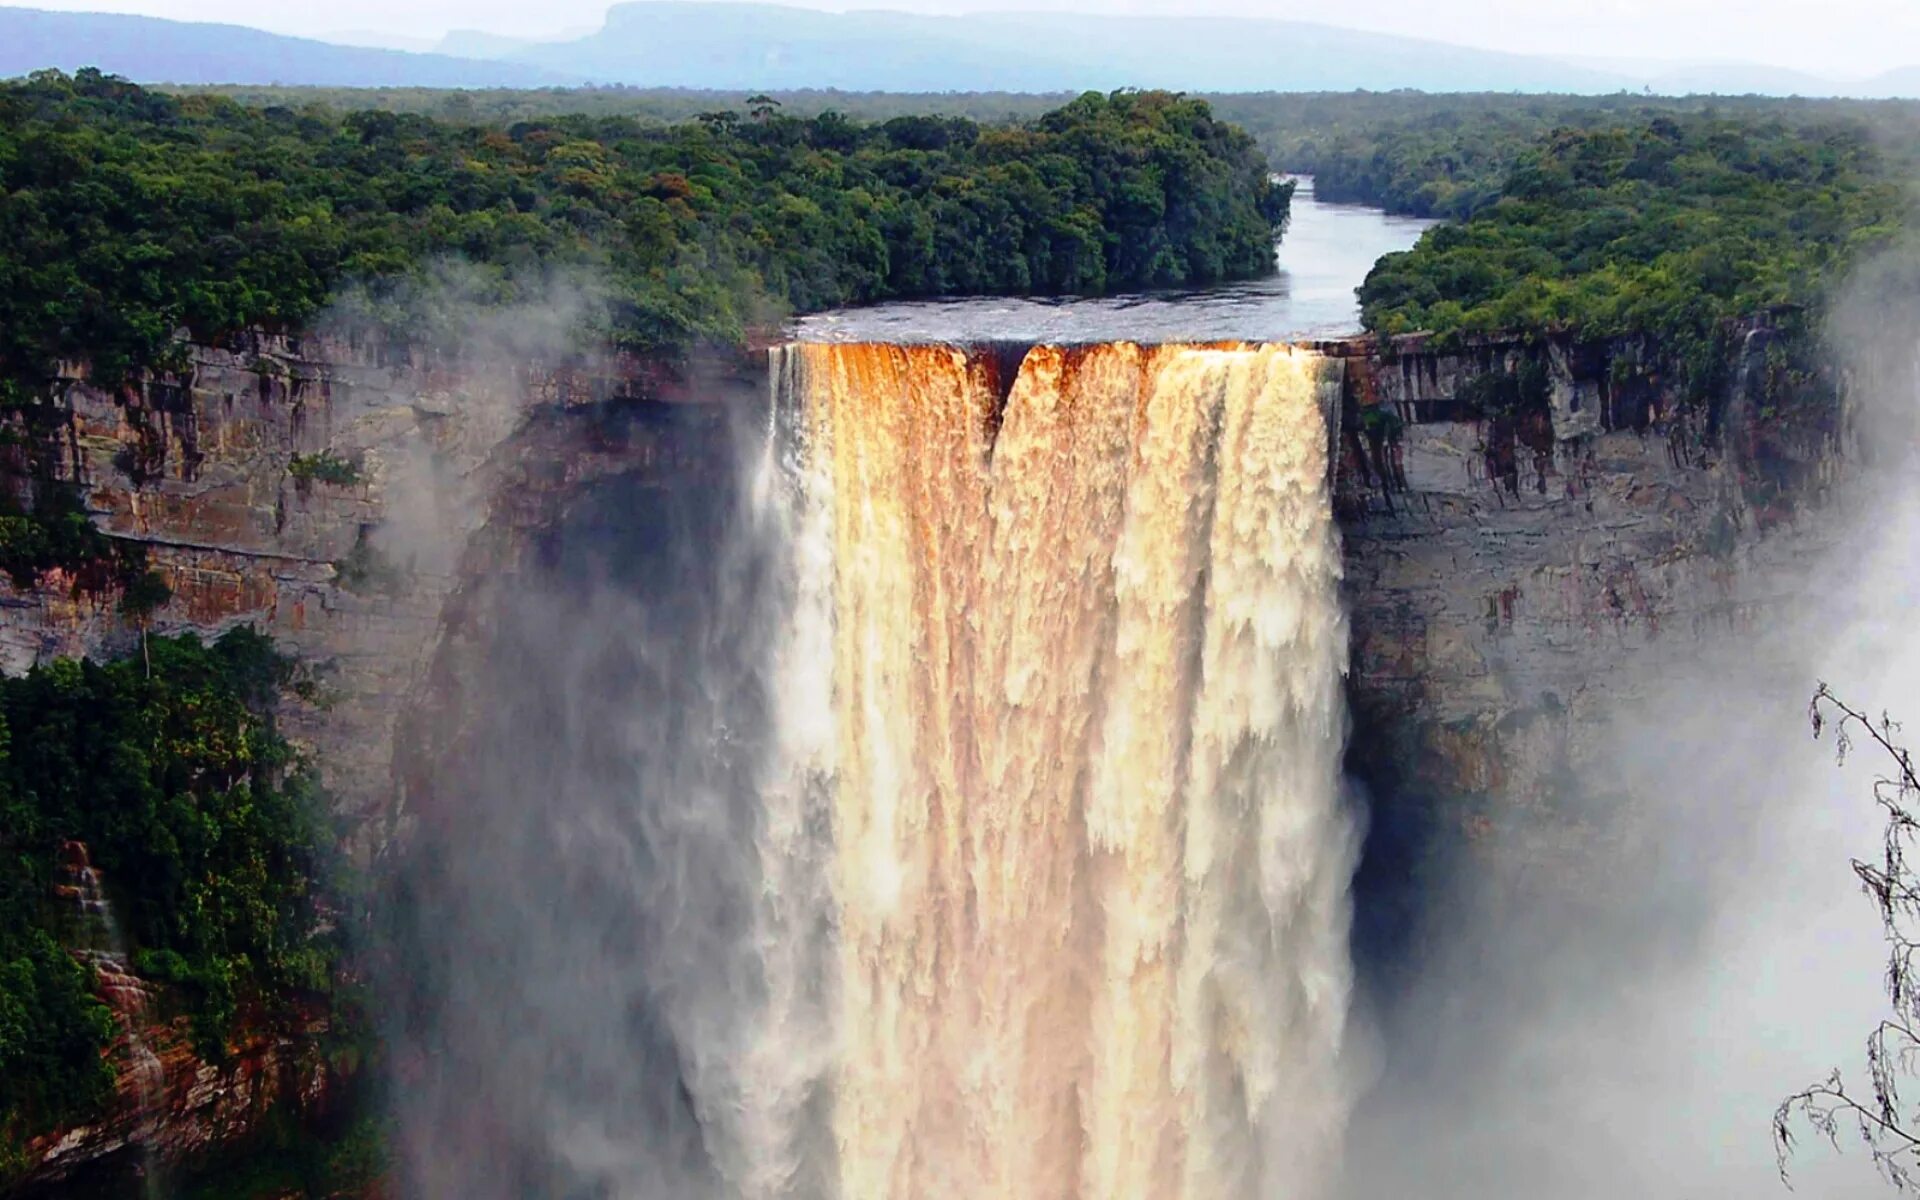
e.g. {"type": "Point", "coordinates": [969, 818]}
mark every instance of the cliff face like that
{"type": "Point", "coordinates": [1487, 554]}
{"type": "Point", "coordinates": [341, 497]}
{"type": "Point", "coordinates": [1508, 574]}
{"type": "Point", "coordinates": [1518, 581]}
{"type": "Point", "coordinates": [223, 477]}
{"type": "Point", "coordinates": [198, 1107]}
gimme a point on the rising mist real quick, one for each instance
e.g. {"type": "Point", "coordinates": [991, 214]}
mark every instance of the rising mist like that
{"type": "Point", "coordinates": [1628, 1026]}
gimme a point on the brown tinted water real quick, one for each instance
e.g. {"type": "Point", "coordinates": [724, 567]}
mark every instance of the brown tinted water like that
{"type": "Point", "coordinates": [1326, 253]}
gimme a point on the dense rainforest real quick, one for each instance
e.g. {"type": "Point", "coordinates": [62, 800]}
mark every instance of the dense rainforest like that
{"type": "Point", "coordinates": [1670, 229]}
{"type": "Point", "coordinates": [1446, 156]}
{"type": "Point", "coordinates": [207, 830]}
{"type": "Point", "coordinates": [1416, 153]}
{"type": "Point", "coordinates": [129, 213]}
{"type": "Point", "coordinates": [1592, 215]}
{"type": "Point", "coordinates": [1672, 213]}
{"type": "Point", "coordinates": [129, 216]}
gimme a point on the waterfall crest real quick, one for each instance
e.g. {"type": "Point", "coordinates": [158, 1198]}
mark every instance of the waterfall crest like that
{"type": "Point", "coordinates": [1063, 681]}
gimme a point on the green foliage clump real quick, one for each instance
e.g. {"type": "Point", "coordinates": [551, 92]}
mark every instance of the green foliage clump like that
{"type": "Point", "coordinates": [50, 531]}
{"type": "Point", "coordinates": [1508, 393]}
{"type": "Point", "coordinates": [366, 571]}
{"type": "Point", "coordinates": [206, 827]}
{"type": "Point", "coordinates": [131, 214]}
{"type": "Point", "coordinates": [289, 1157]}
{"type": "Point", "coordinates": [145, 593]}
{"type": "Point", "coordinates": [325, 467]}
{"type": "Point", "coordinates": [1670, 229]}
{"type": "Point", "coordinates": [1378, 421]}
{"type": "Point", "coordinates": [52, 1027]}
{"type": "Point", "coordinates": [53, 531]}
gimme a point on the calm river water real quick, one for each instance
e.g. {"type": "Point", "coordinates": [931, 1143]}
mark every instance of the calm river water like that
{"type": "Point", "coordinates": [1326, 253]}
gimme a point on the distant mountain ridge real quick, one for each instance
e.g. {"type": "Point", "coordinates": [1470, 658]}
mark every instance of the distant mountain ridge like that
{"type": "Point", "coordinates": [729, 46]}
{"type": "Point", "coordinates": [687, 43]}
{"type": "Point", "coordinates": [477, 43]}
{"type": "Point", "coordinates": [152, 50]}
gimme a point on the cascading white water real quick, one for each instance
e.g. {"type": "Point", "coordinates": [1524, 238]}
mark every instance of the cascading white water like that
{"type": "Point", "coordinates": [955, 818]}
{"type": "Point", "coordinates": [102, 946]}
{"type": "Point", "coordinates": [1057, 725]}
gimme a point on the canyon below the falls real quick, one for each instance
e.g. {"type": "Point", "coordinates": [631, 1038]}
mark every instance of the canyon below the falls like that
{"type": "Point", "coordinates": [1511, 588]}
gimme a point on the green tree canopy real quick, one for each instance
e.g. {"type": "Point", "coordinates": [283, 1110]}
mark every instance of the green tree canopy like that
{"type": "Point", "coordinates": [127, 214]}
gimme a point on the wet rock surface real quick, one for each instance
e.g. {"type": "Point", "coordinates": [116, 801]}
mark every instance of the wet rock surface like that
{"type": "Point", "coordinates": [352, 575]}
{"type": "Point", "coordinates": [1508, 586]}
{"type": "Point", "coordinates": [435, 475]}
{"type": "Point", "coordinates": [1509, 610]}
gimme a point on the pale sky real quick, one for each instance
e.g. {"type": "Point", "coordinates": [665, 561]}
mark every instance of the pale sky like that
{"type": "Point", "coordinates": [1837, 38]}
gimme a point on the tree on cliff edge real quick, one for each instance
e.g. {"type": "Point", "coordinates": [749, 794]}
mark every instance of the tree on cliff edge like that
{"type": "Point", "coordinates": [1885, 1123]}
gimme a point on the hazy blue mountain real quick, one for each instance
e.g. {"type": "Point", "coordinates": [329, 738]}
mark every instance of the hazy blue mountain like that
{"type": "Point", "coordinates": [150, 50]}
{"type": "Point", "coordinates": [692, 44]}
{"type": "Point", "coordinates": [1903, 82]}
{"type": "Point", "coordinates": [477, 43]}
{"type": "Point", "coordinates": [727, 46]}
{"type": "Point", "coordinates": [380, 39]}
{"type": "Point", "coordinates": [1737, 79]}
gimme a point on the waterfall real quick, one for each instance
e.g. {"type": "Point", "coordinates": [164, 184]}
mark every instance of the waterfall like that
{"type": "Point", "coordinates": [945, 808]}
{"type": "Point", "coordinates": [1062, 687]}
{"type": "Point", "coordinates": [101, 945]}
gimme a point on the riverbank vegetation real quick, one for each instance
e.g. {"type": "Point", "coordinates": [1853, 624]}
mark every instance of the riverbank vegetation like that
{"type": "Point", "coordinates": [1671, 229]}
{"type": "Point", "coordinates": [1413, 153]}
{"type": "Point", "coordinates": [132, 214]}
{"type": "Point", "coordinates": [169, 768]}
{"type": "Point", "coordinates": [129, 217]}
{"type": "Point", "coordinates": [1671, 212]}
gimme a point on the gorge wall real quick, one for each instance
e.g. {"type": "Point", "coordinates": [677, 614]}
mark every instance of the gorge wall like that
{"type": "Point", "coordinates": [1519, 581]}
{"type": "Point", "coordinates": [431, 472]}
{"type": "Point", "coordinates": [435, 462]}
{"type": "Point", "coordinates": [1509, 576]}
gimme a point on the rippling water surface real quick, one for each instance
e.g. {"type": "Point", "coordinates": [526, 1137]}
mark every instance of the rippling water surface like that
{"type": "Point", "coordinates": [1327, 252]}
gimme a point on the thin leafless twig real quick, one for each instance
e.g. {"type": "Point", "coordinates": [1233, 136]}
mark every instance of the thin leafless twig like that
{"type": "Point", "coordinates": [1889, 1130]}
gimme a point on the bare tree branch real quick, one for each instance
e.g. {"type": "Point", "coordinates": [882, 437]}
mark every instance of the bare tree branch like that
{"type": "Point", "coordinates": [1879, 1118]}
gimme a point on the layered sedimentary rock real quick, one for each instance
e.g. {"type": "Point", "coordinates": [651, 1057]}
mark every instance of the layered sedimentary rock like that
{"type": "Point", "coordinates": [330, 492]}
{"type": "Point", "coordinates": [431, 471]}
{"type": "Point", "coordinates": [203, 474]}
{"type": "Point", "coordinates": [1519, 583]}
{"type": "Point", "coordinates": [1504, 584]}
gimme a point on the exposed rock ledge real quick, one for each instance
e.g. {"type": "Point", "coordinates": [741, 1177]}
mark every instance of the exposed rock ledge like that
{"type": "Point", "coordinates": [1499, 579]}
{"type": "Point", "coordinates": [350, 576]}
{"type": "Point", "coordinates": [451, 463]}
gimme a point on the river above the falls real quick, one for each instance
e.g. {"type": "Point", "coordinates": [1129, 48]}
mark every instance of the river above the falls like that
{"type": "Point", "coordinates": [1326, 253]}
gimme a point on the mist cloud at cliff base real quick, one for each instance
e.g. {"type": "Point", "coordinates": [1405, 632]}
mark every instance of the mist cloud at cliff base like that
{"type": "Point", "coordinates": [1615, 1008]}
{"type": "Point", "coordinates": [1611, 996]}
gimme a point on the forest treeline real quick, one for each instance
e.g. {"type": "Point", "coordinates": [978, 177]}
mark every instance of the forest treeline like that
{"type": "Point", "coordinates": [1414, 153]}
{"type": "Point", "coordinates": [1427, 155]}
{"type": "Point", "coordinates": [1615, 214]}
{"type": "Point", "coordinates": [129, 213]}
{"type": "Point", "coordinates": [206, 827]}
{"type": "Point", "coordinates": [1603, 215]}
{"type": "Point", "coordinates": [1671, 230]}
